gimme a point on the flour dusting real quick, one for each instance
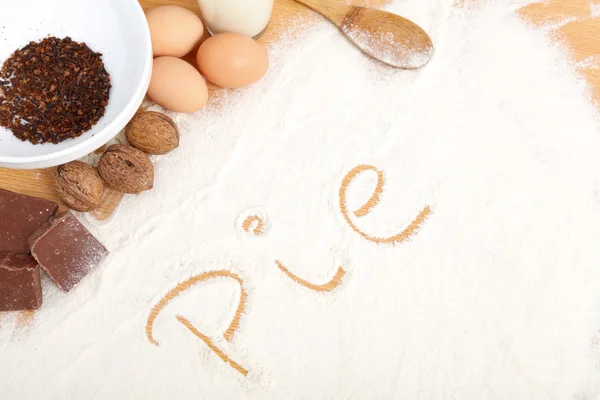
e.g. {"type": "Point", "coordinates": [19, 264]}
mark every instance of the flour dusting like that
{"type": "Point", "coordinates": [495, 296]}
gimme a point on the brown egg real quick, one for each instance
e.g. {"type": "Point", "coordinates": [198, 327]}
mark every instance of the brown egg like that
{"type": "Point", "coordinates": [177, 86]}
{"type": "Point", "coordinates": [230, 60]}
{"type": "Point", "coordinates": [175, 31]}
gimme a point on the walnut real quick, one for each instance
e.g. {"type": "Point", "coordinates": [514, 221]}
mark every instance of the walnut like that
{"type": "Point", "coordinates": [126, 169]}
{"type": "Point", "coordinates": [79, 186]}
{"type": "Point", "coordinates": [153, 133]}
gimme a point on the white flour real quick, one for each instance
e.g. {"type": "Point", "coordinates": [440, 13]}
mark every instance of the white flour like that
{"type": "Point", "coordinates": [496, 296]}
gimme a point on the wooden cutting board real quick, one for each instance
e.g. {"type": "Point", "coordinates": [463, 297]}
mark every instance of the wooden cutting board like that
{"type": "Point", "coordinates": [580, 33]}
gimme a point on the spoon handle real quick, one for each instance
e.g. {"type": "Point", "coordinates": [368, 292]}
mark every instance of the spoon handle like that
{"type": "Point", "coordinates": [333, 10]}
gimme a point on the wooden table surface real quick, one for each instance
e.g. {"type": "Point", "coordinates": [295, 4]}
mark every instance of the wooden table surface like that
{"type": "Point", "coordinates": [572, 21]}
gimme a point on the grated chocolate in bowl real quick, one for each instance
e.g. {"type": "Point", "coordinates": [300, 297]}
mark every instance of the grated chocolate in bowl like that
{"type": "Point", "coordinates": [53, 90]}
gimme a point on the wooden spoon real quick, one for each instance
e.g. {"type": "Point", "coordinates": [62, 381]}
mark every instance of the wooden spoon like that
{"type": "Point", "coordinates": [384, 36]}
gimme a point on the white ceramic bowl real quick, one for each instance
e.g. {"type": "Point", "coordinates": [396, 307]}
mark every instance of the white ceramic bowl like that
{"type": "Point", "coordinates": [117, 29]}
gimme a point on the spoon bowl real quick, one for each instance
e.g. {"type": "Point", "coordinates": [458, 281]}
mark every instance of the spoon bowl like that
{"type": "Point", "coordinates": [387, 37]}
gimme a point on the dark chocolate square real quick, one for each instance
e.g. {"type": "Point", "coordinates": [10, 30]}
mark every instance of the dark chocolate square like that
{"type": "Point", "coordinates": [66, 250]}
{"type": "Point", "coordinates": [20, 287]}
{"type": "Point", "coordinates": [20, 217]}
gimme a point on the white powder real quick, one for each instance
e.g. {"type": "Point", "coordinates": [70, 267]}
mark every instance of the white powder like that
{"type": "Point", "coordinates": [495, 297]}
{"type": "Point", "coordinates": [595, 10]}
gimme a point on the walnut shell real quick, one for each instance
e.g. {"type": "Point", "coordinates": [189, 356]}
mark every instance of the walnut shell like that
{"type": "Point", "coordinates": [126, 169]}
{"type": "Point", "coordinates": [79, 186]}
{"type": "Point", "coordinates": [152, 133]}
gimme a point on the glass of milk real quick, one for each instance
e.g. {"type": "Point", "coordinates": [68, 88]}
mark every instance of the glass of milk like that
{"type": "Point", "coordinates": [246, 17]}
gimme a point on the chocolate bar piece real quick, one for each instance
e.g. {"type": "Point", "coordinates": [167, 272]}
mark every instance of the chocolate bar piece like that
{"type": "Point", "coordinates": [20, 217]}
{"type": "Point", "coordinates": [20, 287]}
{"type": "Point", "coordinates": [66, 250]}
